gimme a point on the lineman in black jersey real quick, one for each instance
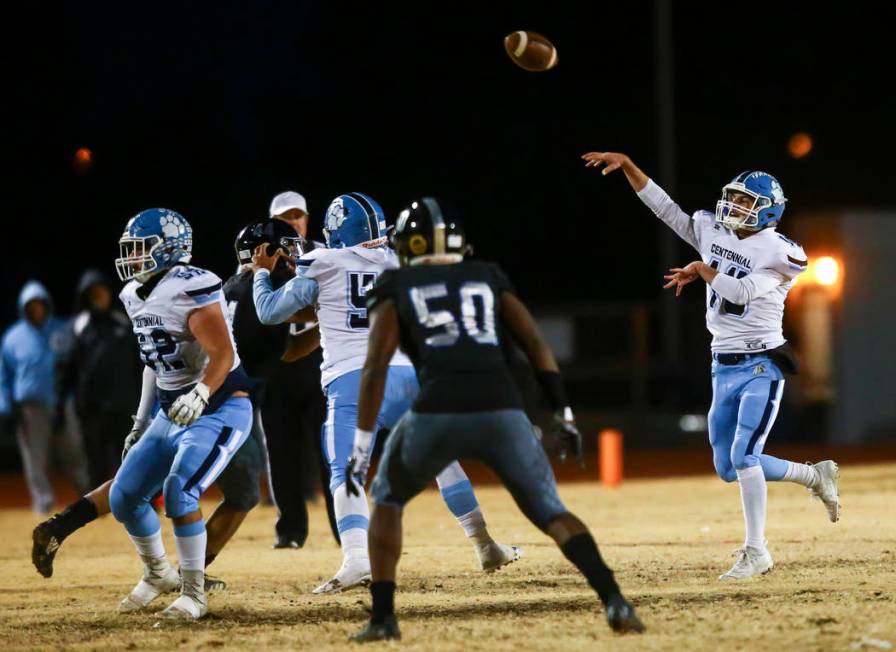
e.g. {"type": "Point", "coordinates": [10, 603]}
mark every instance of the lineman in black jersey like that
{"type": "Point", "coordinates": [449, 316]}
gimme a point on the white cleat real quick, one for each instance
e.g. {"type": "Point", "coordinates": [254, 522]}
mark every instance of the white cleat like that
{"type": "Point", "coordinates": [750, 561]}
{"type": "Point", "coordinates": [191, 604]}
{"type": "Point", "coordinates": [349, 576]}
{"type": "Point", "coordinates": [155, 582]}
{"type": "Point", "coordinates": [186, 607]}
{"type": "Point", "coordinates": [493, 556]}
{"type": "Point", "coordinates": [826, 488]}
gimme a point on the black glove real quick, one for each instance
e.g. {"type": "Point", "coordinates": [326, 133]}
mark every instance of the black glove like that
{"type": "Point", "coordinates": [355, 470]}
{"type": "Point", "coordinates": [569, 439]}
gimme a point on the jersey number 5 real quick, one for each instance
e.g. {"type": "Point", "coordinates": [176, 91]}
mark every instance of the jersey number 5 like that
{"type": "Point", "coordinates": [477, 305]}
{"type": "Point", "coordinates": [358, 284]}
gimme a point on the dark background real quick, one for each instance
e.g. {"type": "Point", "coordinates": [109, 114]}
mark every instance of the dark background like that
{"type": "Point", "coordinates": [211, 110]}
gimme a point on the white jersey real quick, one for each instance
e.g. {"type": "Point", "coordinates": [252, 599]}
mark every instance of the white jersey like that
{"type": "Point", "coordinates": [745, 303]}
{"type": "Point", "coordinates": [160, 323]}
{"type": "Point", "coordinates": [343, 277]}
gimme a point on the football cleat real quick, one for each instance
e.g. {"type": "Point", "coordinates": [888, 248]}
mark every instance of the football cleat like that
{"type": "Point", "coordinates": [825, 488]}
{"type": "Point", "coordinates": [214, 584]}
{"type": "Point", "coordinates": [156, 581]}
{"type": "Point", "coordinates": [349, 576]}
{"type": "Point", "coordinates": [384, 631]}
{"type": "Point", "coordinates": [44, 546]}
{"type": "Point", "coordinates": [286, 542]}
{"type": "Point", "coordinates": [493, 556]}
{"type": "Point", "coordinates": [621, 615]}
{"type": "Point", "coordinates": [191, 604]}
{"type": "Point", "coordinates": [750, 561]}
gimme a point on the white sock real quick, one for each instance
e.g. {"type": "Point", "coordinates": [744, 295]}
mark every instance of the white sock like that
{"type": "Point", "coordinates": [150, 548]}
{"type": "Point", "coordinates": [754, 497]}
{"type": "Point", "coordinates": [801, 474]}
{"type": "Point", "coordinates": [352, 519]}
{"type": "Point", "coordinates": [191, 551]}
{"type": "Point", "coordinates": [473, 524]}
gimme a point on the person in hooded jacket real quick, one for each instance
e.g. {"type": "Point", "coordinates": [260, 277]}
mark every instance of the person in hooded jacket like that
{"type": "Point", "coordinates": [104, 372]}
{"type": "Point", "coordinates": [28, 359]}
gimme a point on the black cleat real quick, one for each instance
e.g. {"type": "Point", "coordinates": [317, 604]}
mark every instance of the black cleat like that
{"type": "Point", "coordinates": [285, 542]}
{"type": "Point", "coordinates": [621, 616]}
{"type": "Point", "coordinates": [43, 550]}
{"type": "Point", "coordinates": [384, 631]}
{"type": "Point", "coordinates": [214, 584]}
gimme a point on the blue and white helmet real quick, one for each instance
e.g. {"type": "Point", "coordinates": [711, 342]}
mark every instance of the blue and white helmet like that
{"type": "Point", "coordinates": [354, 219]}
{"type": "Point", "coordinates": [153, 240]}
{"type": "Point", "coordinates": [753, 201]}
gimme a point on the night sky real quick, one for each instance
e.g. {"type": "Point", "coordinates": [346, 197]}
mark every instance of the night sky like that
{"type": "Point", "coordinates": [211, 111]}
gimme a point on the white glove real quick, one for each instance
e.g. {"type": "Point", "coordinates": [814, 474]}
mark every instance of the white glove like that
{"type": "Point", "coordinates": [190, 406]}
{"type": "Point", "coordinates": [133, 436]}
{"type": "Point", "coordinates": [359, 462]}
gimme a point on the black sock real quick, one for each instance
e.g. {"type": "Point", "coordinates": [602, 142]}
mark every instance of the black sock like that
{"type": "Point", "coordinates": [383, 594]}
{"type": "Point", "coordinates": [73, 517]}
{"type": "Point", "coordinates": [582, 552]}
{"type": "Point", "coordinates": [210, 558]}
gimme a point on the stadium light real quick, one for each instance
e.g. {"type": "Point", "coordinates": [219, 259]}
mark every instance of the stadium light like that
{"type": "Point", "coordinates": [799, 145]}
{"type": "Point", "coordinates": [826, 271]}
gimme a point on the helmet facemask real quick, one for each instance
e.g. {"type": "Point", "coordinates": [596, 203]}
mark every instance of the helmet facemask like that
{"type": "Point", "coordinates": [739, 208]}
{"type": "Point", "coordinates": [137, 259]}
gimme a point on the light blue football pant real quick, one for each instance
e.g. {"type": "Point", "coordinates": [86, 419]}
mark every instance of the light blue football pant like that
{"type": "Point", "coordinates": [745, 401]}
{"type": "Point", "coordinates": [338, 435]}
{"type": "Point", "coordinates": [182, 462]}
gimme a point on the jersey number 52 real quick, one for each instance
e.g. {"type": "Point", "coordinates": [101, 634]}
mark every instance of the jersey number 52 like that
{"type": "Point", "coordinates": [155, 347]}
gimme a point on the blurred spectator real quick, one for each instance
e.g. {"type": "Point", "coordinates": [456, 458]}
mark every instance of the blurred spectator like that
{"type": "Point", "coordinates": [28, 394]}
{"type": "Point", "coordinates": [104, 373]}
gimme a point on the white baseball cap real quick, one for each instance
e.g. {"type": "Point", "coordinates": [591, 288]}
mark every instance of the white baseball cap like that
{"type": "Point", "coordinates": [287, 200]}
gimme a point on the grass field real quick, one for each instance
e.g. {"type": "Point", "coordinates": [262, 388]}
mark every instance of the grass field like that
{"type": "Point", "coordinates": [832, 586]}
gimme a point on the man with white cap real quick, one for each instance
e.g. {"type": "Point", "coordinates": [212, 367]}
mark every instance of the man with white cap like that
{"type": "Point", "coordinates": [291, 207]}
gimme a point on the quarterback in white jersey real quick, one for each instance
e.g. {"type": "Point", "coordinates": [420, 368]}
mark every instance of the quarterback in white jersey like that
{"type": "Point", "coordinates": [193, 370]}
{"type": "Point", "coordinates": [335, 280]}
{"type": "Point", "coordinates": [748, 268]}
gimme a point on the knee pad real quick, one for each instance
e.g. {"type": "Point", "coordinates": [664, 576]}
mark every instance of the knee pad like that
{"type": "Point", "coordinates": [725, 470]}
{"type": "Point", "coordinates": [122, 504]}
{"type": "Point", "coordinates": [177, 501]}
{"type": "Point", "coordinates": [728, 474]}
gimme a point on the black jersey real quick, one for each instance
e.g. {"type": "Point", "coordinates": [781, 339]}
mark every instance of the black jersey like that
{"type": "Point", "coordinates": [450, 327]}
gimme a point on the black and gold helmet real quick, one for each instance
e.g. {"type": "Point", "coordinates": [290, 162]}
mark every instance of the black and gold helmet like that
{"type": "Point", "coordinates": [428, 228]}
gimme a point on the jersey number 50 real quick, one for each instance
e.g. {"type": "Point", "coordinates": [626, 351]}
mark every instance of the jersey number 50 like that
{"type": "Point", "coordinates": [477, 306]}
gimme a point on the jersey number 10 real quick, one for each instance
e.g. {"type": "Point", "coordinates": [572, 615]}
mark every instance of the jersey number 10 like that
{"type": "Point", "coordinates": [477, 305]}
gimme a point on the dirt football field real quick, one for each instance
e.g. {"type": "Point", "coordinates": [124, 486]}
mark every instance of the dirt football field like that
{"type": "Point", "coordinates": [833, 586]}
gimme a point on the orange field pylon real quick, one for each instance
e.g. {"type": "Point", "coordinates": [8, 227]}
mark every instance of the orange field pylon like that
{"type": "Point", "coordinates": [610, 457]}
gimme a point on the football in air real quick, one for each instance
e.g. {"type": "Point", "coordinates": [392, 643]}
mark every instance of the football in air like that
{"type": "Point", "coordinates": [530, 51]}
